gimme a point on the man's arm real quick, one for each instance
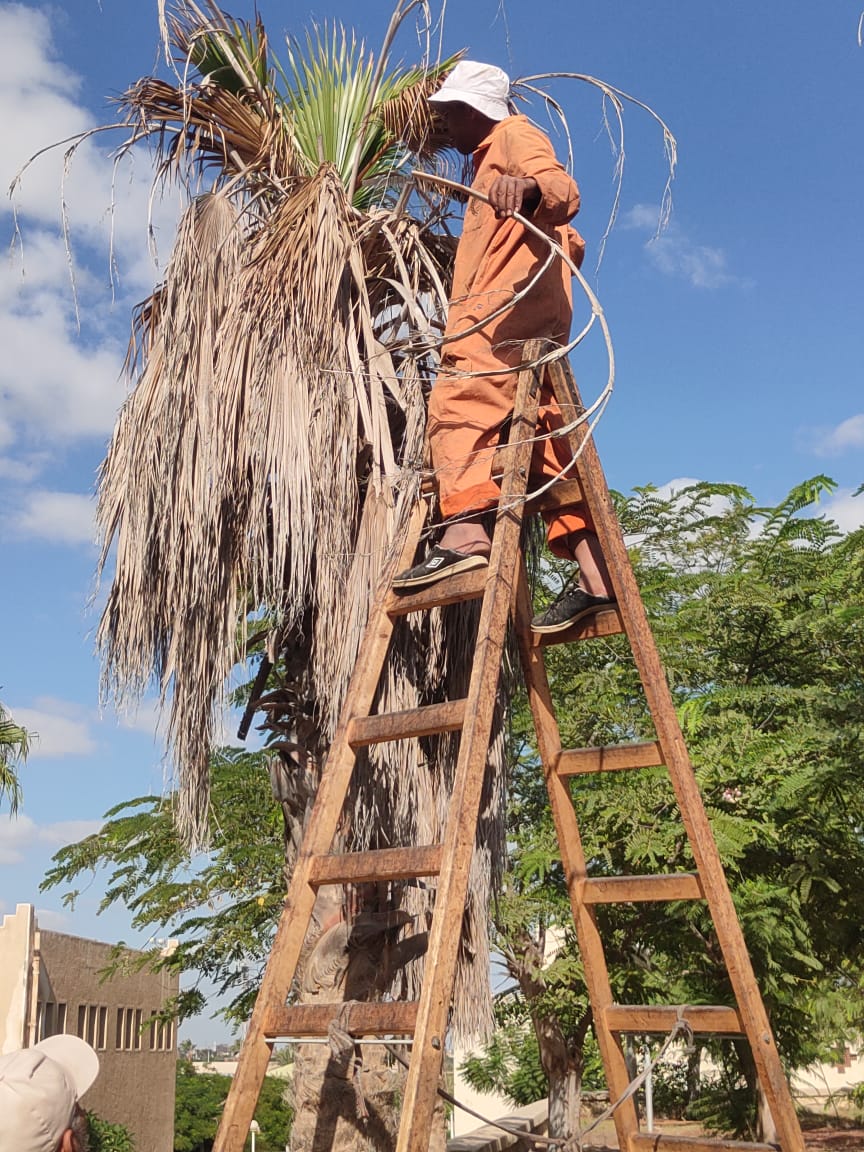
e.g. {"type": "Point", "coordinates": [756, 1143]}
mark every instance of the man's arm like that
{"type": "Point", "coordinates": [511, 194]}
{"type": "Point", "coordinates": [536, 184]}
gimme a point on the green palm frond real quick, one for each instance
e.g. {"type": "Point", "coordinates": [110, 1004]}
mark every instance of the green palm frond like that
{"type": "Point", "coordinates": [14, 746]}
{"type": "Point", "coordinates": [270, 451]}
{"type": "Point", "coordinates": [229, 53]}
{"type": "Point", "coordinates": [336, 115]}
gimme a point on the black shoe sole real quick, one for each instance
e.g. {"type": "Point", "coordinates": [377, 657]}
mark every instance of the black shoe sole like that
{"type": "Point", "coordinates": [551, 629]}
{"type": "Point", "coordinates": [466, 565]}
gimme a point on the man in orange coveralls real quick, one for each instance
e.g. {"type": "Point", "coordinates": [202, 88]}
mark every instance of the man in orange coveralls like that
{"type": "Point", "coordinates": [515, 166]}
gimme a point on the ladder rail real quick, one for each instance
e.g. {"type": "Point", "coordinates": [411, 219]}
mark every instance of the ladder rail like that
{"type": "Point", "coordinates": [505, 592]}
{"type": "Point", "coordinates": [421, 1085]}
{"type": "Point", "coordinates": [677, 761]}
{"type": "Point", "coordinates": [317, 841]}
{"type": "Point", "coordinates": [573, 861]}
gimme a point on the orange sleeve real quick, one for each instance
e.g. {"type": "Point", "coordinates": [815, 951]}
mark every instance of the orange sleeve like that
{"type": "Point", "coordinates": [530, 153]}
{"type": "Point", "coordinates": [575, 246]}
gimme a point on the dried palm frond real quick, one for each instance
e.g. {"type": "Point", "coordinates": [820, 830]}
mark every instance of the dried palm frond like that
{"type": "Point", "coordinates": [268, 455]}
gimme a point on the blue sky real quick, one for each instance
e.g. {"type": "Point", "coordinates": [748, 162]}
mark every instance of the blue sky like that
{"type": "Point", "coordinates": [738, 333]}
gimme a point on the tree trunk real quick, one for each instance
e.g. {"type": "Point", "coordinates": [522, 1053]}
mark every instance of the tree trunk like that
{"type": "Point", "coordinates": [347, 1096]}
{"type": "Point", "coordinates": [561, 1056]}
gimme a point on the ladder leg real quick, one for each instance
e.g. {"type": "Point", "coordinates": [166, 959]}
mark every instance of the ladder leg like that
{"type": "Point", "coordinates": [677, 760]}
{"type": "Point", "coordinates": [300, 899]}
{"type": "Point", "coordinates": [573, 861]}
{"type": "Point", "coordinates": [431, 1026]}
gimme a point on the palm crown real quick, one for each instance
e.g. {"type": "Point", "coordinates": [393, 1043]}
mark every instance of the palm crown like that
{"type": "Point", "coordinates": [266, 459]}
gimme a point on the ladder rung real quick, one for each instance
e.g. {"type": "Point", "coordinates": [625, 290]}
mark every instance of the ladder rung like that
{"type": "Point", "coordinates": [662, 1018]}
{"type": "Point", "coordinates": [658, 1142]}
{"type": "Point", "coordinates": [390, 1017]}
{"type": "Point", "coordinates": [609, 758]}
{"type": "Point", "coordinates": [446, 717]}
{"type": "Point", "coordinates": [629, 889]}
{"type": "Point", "coordinates": [463, 586]}
{"type": "Point", "coordinates": [606, 622]}
{"type": "Point", "coordinates": [384, 864]}
{"type": "Point", "coordinates": [562, 494]}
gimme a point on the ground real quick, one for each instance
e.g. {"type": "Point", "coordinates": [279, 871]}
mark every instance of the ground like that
{"type": "Point", "coordinates": [821, 1134]}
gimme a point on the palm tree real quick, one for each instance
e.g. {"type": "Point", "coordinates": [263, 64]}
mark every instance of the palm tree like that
{"type": "Point", "coordinates": [14, 746]}
{"type": "Point", "coordinates": [268, 454]}
{"type": "Point", "coordinates": [271, 447]}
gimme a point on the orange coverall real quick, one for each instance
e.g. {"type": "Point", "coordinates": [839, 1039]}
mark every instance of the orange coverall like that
{"type": "Point", "coordinates": [494, 259]}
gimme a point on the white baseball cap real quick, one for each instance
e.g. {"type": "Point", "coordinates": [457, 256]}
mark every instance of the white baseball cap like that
{"type": "Point", "coordinates": [39, 1088]}
{"type": "Point", "coordinates": [481, 86]}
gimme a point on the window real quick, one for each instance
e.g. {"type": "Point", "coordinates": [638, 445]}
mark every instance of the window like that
{"type": "Point", "coordinates": [129, 1027]}
{"type": "Point", "coordinates": [161, 1034]}
{"type": "Point", "coordinates": [102, 1029]}
{"type": "Point", "coordinates": [50, 1019]}
{"type": "Point", "coordinates": [92, 1024]}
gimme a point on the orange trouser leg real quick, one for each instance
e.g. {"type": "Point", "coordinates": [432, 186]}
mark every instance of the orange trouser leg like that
{"type": "Point", "coordinates": [466, 413]}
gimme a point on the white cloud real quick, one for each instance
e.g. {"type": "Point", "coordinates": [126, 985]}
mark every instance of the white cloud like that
{"type": "Point", "coordinates": [835, 441]}
{"type": "Point", "coordinates": [145, 716]}
{"type": "Point", "coordinates": [19, 834]}
{"type": "Point", "coordinates": [53, 921]}
{"type": "Point", "coordinates": [58, 729]}
{"type": "Point", "coordinates": [60, 517]}
{"type": "Point", "coordinates": [844, 508]}
{"type": "Point", "coordinates": [676, 254]}
{"type": "Point", "coordinates": [644, 217]}
{"type": "Point", "coordinates": [59, 384]}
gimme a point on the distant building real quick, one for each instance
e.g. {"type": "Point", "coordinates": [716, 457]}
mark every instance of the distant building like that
{"type": "Point", "coordinates": [50, 983]}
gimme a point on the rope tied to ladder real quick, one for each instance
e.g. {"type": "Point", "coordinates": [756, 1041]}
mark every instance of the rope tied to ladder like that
{"type": "Point", "coordinates": [347, 1056]}
{"type": "Point", "coordinates": [681, 1029]}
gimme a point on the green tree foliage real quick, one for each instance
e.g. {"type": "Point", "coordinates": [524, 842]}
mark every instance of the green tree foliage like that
{"type": "Point", "coordinates": [222, 905]}
{"type": "Point", "coordinates": [510, 1065]}
{"type": "Point", "coordinates": [106, 1137]}
{"type": "Point", "coordinates": [200, 1097]}
{"type": "Point", "coordinates": [14, 745]}
{"type": "Point", "coordinates": [759, 619]}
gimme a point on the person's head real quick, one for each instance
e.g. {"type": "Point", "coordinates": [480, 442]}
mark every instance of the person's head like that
{"type": "Point", "coordinates": [472, 99]}
{"type": "Point", "coordinates": [39, 1092]}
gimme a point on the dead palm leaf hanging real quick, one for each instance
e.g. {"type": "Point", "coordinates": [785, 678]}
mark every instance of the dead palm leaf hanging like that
{"type": "Point", "coordinates": [270, 450]}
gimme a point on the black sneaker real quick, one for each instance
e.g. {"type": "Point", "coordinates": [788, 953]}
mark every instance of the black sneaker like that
{"type": "Point", "coordinates": [439, 563]}
{"type": "Point", "coordinates": [567, 608]}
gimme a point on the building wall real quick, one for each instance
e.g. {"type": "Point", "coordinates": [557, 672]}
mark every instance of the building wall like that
{"type": "Point", "coordinates": [16, 951]}
{"type": "Point", "coordinates": [137, 1064]}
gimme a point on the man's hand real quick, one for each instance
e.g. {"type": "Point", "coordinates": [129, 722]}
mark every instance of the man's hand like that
{"type": "Point", "coordinates": [510, 194]}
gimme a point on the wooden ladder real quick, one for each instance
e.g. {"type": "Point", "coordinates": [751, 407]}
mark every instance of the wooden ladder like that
{"type": "Point", "coordinates": [504, 590]}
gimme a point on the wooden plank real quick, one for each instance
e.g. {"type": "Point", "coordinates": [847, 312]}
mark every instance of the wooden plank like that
{"type": "Point", "coordinates": [606, 622]}
{"type": "Point", "coordinates": [573, 860]}
{"type": "Point", "coordinates": [446, 717]}
{"type": "Point", "coordinates": [390, 1017]}
{"type": "Point", "coordinates": [418, 1098]}
{"type": "Point", "coordinates": [562, 494]}
{"type": "Point", "coordinates": [385, 864]}
{"type": "Point", "coordinates": [662, 1018]}
{"type": "Point", "coordinates": [632, 889]}
{"type": "Point", "coordinates": [609, 758]}
{"type": "Point", "coordinates": [300, 899]}
{"type": "Point", "coordinates": [658, 1142]}
{"type": "Point", "coordinates": [699, 834]}
{"type": "Point", "coordinates": [453, 590]}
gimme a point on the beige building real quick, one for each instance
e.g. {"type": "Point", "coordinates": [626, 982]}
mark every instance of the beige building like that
{"type": "Point", "coordinates": [52, 983]}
